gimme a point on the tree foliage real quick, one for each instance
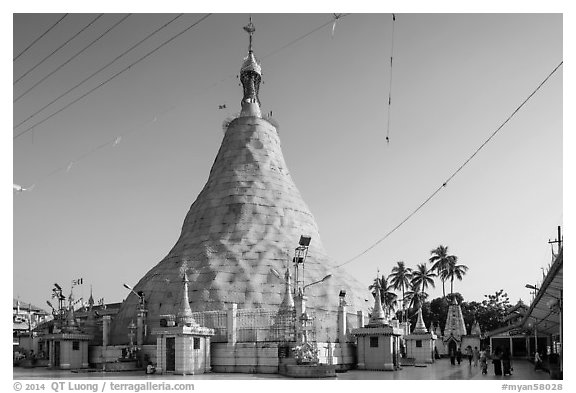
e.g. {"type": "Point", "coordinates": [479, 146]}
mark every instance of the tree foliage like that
{"type": "Point", "coordinates": [440, 260]}
{"type": "Point", "coordinates": [387, 296]}
{"type": "Point", "coordinates": [489, 313]}
{"type": "Point", "coordinates": [400, 279]}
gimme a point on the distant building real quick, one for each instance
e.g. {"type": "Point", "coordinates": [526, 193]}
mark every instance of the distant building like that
{"type": "Point", "coordinates": [25, 318]}
{"type": "Point", "coordinates": [537, 327]}
{"type": "Point", "coordinates": [455, 335]}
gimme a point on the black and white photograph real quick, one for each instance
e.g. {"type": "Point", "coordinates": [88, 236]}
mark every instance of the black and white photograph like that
{"type": "Point", "coordinates": [302, 195]}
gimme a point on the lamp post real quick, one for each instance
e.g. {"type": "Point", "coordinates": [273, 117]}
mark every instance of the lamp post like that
{"type": "Point", "coordinates": [131, 328]}
{"type": "Point", "coordinates": [299, 288]}
{"type": "Point", "coordinates": [300, 254]}
{"type": "Point", "coordinates": [141, 315]}
{"type": "Point", "coordinates": [58, 314]}
{"type": "Point", "coordinates": [557, 304]}
{"type": "Point", "coordinates": [534, 290]}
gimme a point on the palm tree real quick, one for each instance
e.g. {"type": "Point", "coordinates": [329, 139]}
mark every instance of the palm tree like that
{"type": "Point", "coordinates": [400, 279]}
{"type": "Point", "coordinates": [422, 277]}
{"type": "Point", "coordinates": [387, 297]}
{"type": "Point", "coordinates": [414, 296]}
{"type": "Point", "coordinates": [440, 261]}
{"type": "Point", "coordinates": [454, 270]}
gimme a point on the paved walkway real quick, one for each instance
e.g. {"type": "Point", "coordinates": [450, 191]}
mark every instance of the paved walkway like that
{"type": "Point", "coordinates": [441, 370]}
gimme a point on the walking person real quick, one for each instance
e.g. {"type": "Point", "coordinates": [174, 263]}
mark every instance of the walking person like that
{"type": "Point", "coordinates": [469, 355]}
{"type": "Point", "coordinates": [452, 356]}
{"type": "Point", "coordinates": [497, 361]}
{"type": "Point", "coordinates": [458, 355]}
{"type": "Point", "coordinates": [507, 362]}
{"type": "Point", "coordinates": [484, 362]}
{"type": "Point", "coordinates": [537, 361]}
{"type": "Point", "coordinates": [475, 356]}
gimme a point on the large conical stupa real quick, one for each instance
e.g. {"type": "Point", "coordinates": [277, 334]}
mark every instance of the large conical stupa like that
{"type": "Point", "coordinates": [247, 219]}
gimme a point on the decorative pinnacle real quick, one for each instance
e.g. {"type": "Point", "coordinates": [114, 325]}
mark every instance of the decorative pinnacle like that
{"type": "Point", "coordinates": [377, 317]}
{"type": "Point", "coordinates": [420, 327]}
{"type": "Point", "coordinates": [250, 77]}
{"type": "Point", "coordinates": [288, 301]}
{"type": "Point", "coordinates": [184, 316]}
{"type": "Point", "coordinates": [250, 29]}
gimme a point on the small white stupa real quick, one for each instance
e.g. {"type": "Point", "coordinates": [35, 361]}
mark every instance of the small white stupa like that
{"type": "Point", "coordinates": [378, 343]}
{"type": "Point", "coordinates": [420, 343]}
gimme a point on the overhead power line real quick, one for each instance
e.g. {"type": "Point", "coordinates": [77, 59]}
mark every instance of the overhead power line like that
{"type": "Point", "coordinates": [113, 76]}
{"type": "Point", "coordinates": [117, 139]}
{"type": "Point", "coordinates": [301, 37]}
{"type": "Point", "coordinates": [390, 84]}
{"type": "Point", "coordinates": [98, 71]}
{"type": "Point", "coordinates": [57, 49]}
{"type": "Point", "coordinates": [39, 38]}
{"type": "Point", "coordinates": [73, 57]}
{"type": "Point", "coordinates": [456, 171]}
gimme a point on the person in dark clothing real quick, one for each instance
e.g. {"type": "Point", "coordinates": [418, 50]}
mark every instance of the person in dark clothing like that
{"type": "Point", "coordinates": [497, 361]}
{"type": "Point", "coordinates": [507, 362]}
{"type": "Point", "coordinates": [484, 361]}
{"type": "Point", "coordinates": [469, 354]}
{"type": "Point", "coordinates": [458, 355]}
{"type": "Point", "coordinates": [452, 357]}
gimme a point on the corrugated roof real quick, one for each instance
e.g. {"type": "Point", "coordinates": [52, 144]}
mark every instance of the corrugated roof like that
{"type": "Point", "coordinates": [24, 307]}
{"type": "Point", "coordinates": [543, 314]}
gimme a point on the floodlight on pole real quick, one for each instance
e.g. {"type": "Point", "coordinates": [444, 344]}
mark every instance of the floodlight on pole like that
{"type": "Point", "coordinates": [275, 272]}
{"type": "Point", "coordinates": [305, 240]}
{"type": "Point", "coordinates": [132, 290]}
{"type": "Point", "coordinates": [327, 277]}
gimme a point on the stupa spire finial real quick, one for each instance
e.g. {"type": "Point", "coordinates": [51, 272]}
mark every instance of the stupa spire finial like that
{"type": "Point", "coordinates": [250, 76]}
{"type": "Point", "coordinates": [377, 317]}
{"type": "Point", "coordinates": [288, 300]}
{"type": "Point", "coordinates": [420, 327]}
{"type": "Point", "coordinates": [250, 29]}
{"type": "Point", "coordinates": [184, 316]}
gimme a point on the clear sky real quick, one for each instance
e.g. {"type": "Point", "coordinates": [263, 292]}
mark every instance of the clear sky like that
{"type": "Point", "coordinates": [108, 213]}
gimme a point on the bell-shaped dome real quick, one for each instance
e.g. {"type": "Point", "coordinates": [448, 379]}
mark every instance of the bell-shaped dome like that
{"type": "Point", "coordinates": [247, 220]}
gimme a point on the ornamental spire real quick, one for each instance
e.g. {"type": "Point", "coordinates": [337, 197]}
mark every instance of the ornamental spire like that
{"type": "Point", "coordinates": [377, 317]}
{"type": "Point", "coordinates": [250, 76]}
{"type": "Point", "coordinates": [184, 316]}
{"type": "Point", "coordinates": [288, 301]}
{"type": "Point", "coordinates": [250, 29]}
{"type": "Point", "coordinates": [420, 326]}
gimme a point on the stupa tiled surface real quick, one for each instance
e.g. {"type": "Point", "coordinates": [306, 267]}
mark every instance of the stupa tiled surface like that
{"type": "Point", "coordinates": [248, 219]}
{"type": "Point", "coordinates": [455, 325]}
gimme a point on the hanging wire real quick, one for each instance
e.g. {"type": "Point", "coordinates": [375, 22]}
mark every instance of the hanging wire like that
{"type": "Point", "coordinates": [39, 38]}
{"type": "Point", "coordinates": [113, 76]}
{"type": "Point", "coordinates": [111, 142]}
{"type": "Point", "coordinates": [97, 71]}
{"type": "Point", "coordinates": [57, 49]}
{"type": "Point", "coordinates": [73, 57]}
{"type": "Point", "coordinates": [455, 172]}
{"type": "Point", "coordinates": [300, 38]}
{"type": "Point", "coordinates": [336, 17]}
{"type": "Point", "coordinates": [74, 87]}
{"type": "Point", "coordinates": [116, 141]}
{"type": "Point", "coordinates": [390, 84]}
